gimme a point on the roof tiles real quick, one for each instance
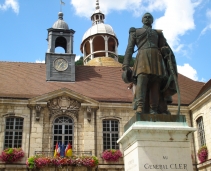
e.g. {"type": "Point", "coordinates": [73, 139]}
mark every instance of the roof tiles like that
{"type": "Point", "coordinates": [28, 80]}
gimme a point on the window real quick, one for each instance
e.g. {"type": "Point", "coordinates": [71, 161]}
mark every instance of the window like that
{"type": "Point", "coordinates": [63, 131]}
{"type": "Point", "coordinates": [110, 134]}
{"type": "Point", "coordinates": [13, 132]}
{"type": "Point", "coordinates": [201, 135]}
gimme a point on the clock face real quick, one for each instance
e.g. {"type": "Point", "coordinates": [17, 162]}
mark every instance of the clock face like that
{"type": "Point", "coordinates": [60, 64]}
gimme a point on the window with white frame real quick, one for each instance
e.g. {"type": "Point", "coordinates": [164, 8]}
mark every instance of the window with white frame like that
{"type": "Point", "coordinates": [110, 134]}
{"type": "Point", "coordinates": [63, 131]}
{"type": "Point", "coordinates": [13, 132]}
{"type": "Point", "coordinates": [201, 134]}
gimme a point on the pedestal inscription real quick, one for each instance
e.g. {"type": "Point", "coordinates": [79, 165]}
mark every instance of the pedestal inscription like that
{"type": "Point", "coordinates": [157, 146]}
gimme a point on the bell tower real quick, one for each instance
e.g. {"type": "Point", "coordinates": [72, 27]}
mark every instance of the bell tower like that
{"type": "Point", "coordinates": [60, 66]}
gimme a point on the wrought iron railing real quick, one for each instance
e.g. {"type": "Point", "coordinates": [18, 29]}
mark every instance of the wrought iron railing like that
{"type": "Point", "coordinates": [76, 153]}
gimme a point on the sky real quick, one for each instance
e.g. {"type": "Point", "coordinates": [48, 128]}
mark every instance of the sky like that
{"type": "Point", "coordinates": [186, 24]}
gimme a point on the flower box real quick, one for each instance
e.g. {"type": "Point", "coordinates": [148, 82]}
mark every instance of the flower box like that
{"type": "Point", "coordinates": [65, 168]}
{"type": "Point", "coordinates": [11, 155]}
{"type": "Point", "coordinates": [202, 154]}
{"type": "Point", "coordinates": [40, 162]}
{"type": "Point", "coordinates": [111, 155]}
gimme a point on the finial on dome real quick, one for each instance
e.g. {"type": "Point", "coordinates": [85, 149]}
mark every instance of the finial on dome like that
{"type": "Point", "coordinates": [97, 5]}
{"type": "Point", "coordinates": [60, 15]}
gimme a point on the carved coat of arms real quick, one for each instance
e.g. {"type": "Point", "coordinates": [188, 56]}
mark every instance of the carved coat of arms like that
{"type": "Point", "coordinates": [63, 105]}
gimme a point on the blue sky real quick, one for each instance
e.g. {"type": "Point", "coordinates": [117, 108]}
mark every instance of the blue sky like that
{"type": "Point", "coordinates": [186, 25]}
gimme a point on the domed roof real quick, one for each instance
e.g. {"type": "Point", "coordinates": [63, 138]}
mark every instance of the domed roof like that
{"type": "Point", "coordinates": [60, 23]}
{"type": "Point", "coordinates": [99, 29]}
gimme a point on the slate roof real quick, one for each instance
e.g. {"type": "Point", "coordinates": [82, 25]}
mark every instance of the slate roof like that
{"type": "Point", "coordinates": [28, 80]}
{"type": "Point", "coordinates": [204, 89]}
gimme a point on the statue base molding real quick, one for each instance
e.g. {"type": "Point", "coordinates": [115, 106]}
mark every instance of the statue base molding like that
{"type": "Point", "coordinates": [157, 146]}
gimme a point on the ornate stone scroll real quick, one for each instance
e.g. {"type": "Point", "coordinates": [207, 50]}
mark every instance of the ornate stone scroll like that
{"type": "Point", "coordinates": [63, 105]}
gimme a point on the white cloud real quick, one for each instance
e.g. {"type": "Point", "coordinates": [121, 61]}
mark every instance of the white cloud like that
{"type": "Point", "coordinates": [188, 71]}
{"type": "Point", "coordinates": [40, 61]}
{"type": "Point", "coordinates": [177, 19]}
{"type": "Point", "coordinates": [77, 57]}
{"type": "Point", "coordinates": [10, 4]}
{"type": "Point", "coordinates": [208, 27]}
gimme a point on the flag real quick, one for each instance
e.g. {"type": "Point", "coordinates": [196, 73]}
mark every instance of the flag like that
{"type": "Point", "coordinates": [62, 3]}
{"type": "Point", "coordinates": [62, 153]}
{"type": "Point", "coordinates": [68, 150]}
{"type": "Point", "coordinates": [57, 150]}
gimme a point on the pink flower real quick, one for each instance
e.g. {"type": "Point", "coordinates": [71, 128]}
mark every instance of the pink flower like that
{"type": "Point", "coordinates": [10, 155]}
{"type": "Point", "coordinates": [203, 154]}
{"type": "Point", "coordinates": [111, 155]}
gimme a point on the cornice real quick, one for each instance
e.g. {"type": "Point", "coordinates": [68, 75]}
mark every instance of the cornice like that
{"type": "Point", "coordinates": [200, 100]}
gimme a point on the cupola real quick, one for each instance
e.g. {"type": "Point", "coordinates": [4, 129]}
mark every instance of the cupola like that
{"type": "Point", "coordinates": [99, 41]}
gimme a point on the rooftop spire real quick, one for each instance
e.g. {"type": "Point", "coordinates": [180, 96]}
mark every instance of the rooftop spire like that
{"type": "Point", "coordinates": [98, 17]}
{"type": "Point", "coordinates": [97, 5]}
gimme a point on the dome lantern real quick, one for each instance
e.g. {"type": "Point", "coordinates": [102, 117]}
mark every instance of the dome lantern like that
{"type": "Point", "coordinates": [100, 40]}
{"type": "Point", "coordinates": [98, 16]}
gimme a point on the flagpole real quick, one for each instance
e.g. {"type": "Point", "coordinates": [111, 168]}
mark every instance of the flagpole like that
{"type": "Point", "coordinates": [60, 6]}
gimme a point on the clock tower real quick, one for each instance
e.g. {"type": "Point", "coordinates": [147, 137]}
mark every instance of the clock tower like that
{"type": "Point", "coordinates": [60, 66]}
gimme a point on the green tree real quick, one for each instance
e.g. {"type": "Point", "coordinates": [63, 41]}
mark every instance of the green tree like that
{"type": "Point", "coordinates": [80, 61]}
{"type": "Point", "coordinates": [121, 59]}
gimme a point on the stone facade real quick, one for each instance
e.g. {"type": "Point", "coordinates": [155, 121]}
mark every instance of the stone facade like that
{"type": "Point", "coordinates": [201, 107]}
{"type": "Point", "coordinates": [87, 116]}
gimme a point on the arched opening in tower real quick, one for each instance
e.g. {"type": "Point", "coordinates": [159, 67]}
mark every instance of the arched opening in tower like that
{"type": "Point", "coordinates": [99, 46]}
{"type": "Point", "coordinates": [111, 47]}
{"type": "Point", "coordinates": [87, 48]}
{"type": "Point", "coordinates": [61, 42]}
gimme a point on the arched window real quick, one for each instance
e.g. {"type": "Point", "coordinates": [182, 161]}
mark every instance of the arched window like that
{"type": "Point", "coordinates": [111, 44]}
{"type": "Point", "coordinates": [61, 42]}
{"type": "Point", "coordinates": [13, 132]}
{"type": "Point", "coordinates": [99, 45]}
{"type": "Point", "coordinates": [201, 135]}
{"type": "Point", "coordinates": [110, 134]}
{"type": "Point", "coordinates": [63, 131]}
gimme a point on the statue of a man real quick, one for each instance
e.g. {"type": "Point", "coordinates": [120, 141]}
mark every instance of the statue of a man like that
{"type": "Point", "coordinates": [150, 71]}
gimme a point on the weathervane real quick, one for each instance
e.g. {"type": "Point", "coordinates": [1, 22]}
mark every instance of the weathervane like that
{"type": "Point", "coordinates": [61, 3]}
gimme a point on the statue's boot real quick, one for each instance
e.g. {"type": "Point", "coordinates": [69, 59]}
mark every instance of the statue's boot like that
{"type": "Point", "coordinates": [154, 97]}
{"type": "Point", "coordinates": [140, 93]}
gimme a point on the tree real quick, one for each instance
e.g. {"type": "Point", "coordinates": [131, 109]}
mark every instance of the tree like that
{"type": "Point", "coordinates": [80, 61]}
{"type": "Point", "coordinates": [121, 59]}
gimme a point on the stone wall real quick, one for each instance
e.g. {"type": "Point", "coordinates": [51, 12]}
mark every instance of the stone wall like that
{"type": "Point", "coordinates": [201, 107]}
{"type": "Point", "coordinates": [88, 135]}
{"type": "Point", "coordinates": [15, 108]}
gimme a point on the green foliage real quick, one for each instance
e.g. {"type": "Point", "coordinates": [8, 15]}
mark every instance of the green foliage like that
{"type": "Point", "coordinates": [31, 162]}
{"type": "Point", "coordinates": [121, 59]}
{"type": "Point", "coordinates": [79, 62]}
{"type": "Point", "coordinates": [10, 151]}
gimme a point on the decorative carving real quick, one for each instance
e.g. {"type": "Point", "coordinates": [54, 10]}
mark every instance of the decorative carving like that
{"type": "Point", "coordinates": [89, 113]}
{"type": "Point", "coordinates": [38, 109]}
{"type": "Point", "coordinates": [63, 105]}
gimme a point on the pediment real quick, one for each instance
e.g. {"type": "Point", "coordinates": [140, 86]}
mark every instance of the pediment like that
{"type": "Point", "coordinates": [64, 92]}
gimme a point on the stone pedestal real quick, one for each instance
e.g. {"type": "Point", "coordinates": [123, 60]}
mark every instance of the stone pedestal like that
{"type": "Point", "coordinates": [157, 146]}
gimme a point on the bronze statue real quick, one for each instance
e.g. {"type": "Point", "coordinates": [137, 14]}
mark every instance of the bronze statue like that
{"type": "Point", "coordinates": [155, 82]}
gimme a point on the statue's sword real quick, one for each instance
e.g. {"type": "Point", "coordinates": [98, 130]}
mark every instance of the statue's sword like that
{"type": "Point", "coordinates": [174, 77]}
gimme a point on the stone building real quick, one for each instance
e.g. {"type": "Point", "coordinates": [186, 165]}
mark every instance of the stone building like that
{"type": "Point", "coordinates": [88, 106]}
